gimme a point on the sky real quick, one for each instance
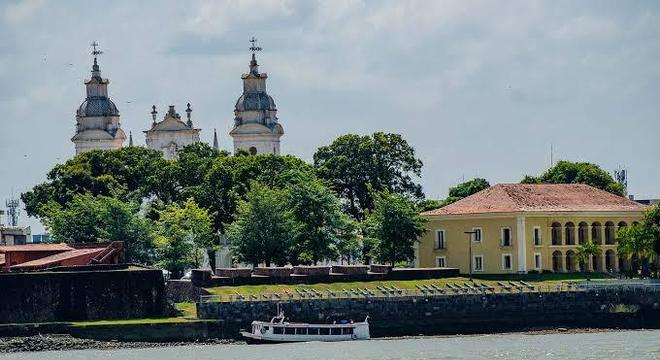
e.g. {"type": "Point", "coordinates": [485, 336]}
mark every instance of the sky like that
{"type": "Point", "coordinates": [478, 88]}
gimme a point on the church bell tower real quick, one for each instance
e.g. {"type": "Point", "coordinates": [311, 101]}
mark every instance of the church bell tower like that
{"type": "Point", "coordinates": [97, 118]}
{"type": "Point", "coordinates": [256, 127]}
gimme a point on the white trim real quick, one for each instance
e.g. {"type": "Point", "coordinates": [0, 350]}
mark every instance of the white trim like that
{"type": "Point", "coordinates": [522, 244]}
{"type": "Point", "coordinates": [481, 234]}
{"type": "Point", "coordinates": [444, 260]}
{"type": "Point", "coordinates": [534, 235]}
{"type": "Point", "coordinates": [436, 241]}
{"type": "Point", "coordinates": [502, 236]}
{"type": "Point", "coordinates": [474, 263]}
{"type": "Point", "coordinates": [540, 266]}
{"type": "Point", "coordinates": [539, 214]}
{"type": "Point", "coordinates": [510, 262]}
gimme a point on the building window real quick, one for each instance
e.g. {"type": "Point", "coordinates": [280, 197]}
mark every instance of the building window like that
{"type": "Point", "coordinates": [537, 261]}
{"type": "Point", "coordinates": [506, 262]}
{"type": "Point", "coordinates": [478, 263]}
{"type": "Point", "coordinates": [441, 261]}
{"type": "Point", "coordinates": [476, 234]}
{"type": "Point", "coordinates": [440, 242]}
{"type": "Point", "coordinates": [537, 236]}
{"type": "Point", "coordinates": [505, 236]}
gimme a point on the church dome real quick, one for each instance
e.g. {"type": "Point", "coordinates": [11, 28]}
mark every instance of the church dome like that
{"type": "Point", "coordinates": [97, 106]}
{"type": "Point", "coordinates": [255, 101]}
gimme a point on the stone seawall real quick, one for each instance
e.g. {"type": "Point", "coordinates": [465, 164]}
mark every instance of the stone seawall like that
{"type": "Point", "coordinates": [82, 295]}
{"type": "Point", "coordinates": [454, 314]}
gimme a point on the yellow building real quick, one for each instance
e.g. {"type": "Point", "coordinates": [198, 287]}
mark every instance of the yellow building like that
{"type": "Point", "coordinates": [517, 228]}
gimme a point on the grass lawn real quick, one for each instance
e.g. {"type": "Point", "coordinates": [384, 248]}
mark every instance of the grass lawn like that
{"type": "Point", "coordinates": [549, 280]}
{"type": "Point", "coordinates": [188, 310]}
{"type": "Point", "coordinates": [131, 321]}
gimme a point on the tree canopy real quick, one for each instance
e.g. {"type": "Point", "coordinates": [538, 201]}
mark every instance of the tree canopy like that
{"type": "Point", "coordinates": [264, 228]}
{"type": "Point", "coordinates": [324, 231]}
{"type": "Point", "coordinates": [88, 218]}
{"type": "Point", "coordinates": [357, 166]}
{"type": "Point", "coordinates": [393, 227]}
{"type": "Point", "coordinates": [456, 193]}
{"type": "Point", "coordinates": [566, 172]}
{"type": "Point", "coordinates": [184, 233]}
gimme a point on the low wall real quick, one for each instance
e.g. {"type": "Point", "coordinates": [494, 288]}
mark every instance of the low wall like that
{"type": "Point", "coordinates": [203, 278]}
{"type": "Point", "coordinates": [183, 291]}
{"type": "Point", "coordinates": [350, 269]}
{"type": "Point", "coordinates": [145, 332]}
{"type": "Point", "coordinates": [82, 295]}
{"type": "Point", "coordinates": [454, 314]}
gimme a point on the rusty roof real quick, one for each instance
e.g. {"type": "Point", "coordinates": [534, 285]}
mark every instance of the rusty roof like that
{"type": "Point", "coordinates": [505, 198]}
{"type": "Point", "coordinates": [56, 258]}
{"type": "Point", "coordinates": [35, 247]}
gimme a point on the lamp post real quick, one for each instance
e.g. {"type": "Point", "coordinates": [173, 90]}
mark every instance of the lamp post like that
{"type": "Point", "coordinates": [470, 234]}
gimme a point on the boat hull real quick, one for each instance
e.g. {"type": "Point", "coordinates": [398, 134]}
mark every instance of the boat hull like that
{"type": "Point", "coordinates": [251, 338]}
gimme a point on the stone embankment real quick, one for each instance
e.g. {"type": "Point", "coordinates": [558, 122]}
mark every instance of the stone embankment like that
{"type": "Point", "coordinates": [457, 314]}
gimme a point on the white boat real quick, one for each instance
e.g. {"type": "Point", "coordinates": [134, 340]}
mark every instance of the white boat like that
{"type": "Point", "coordinates": [280, 331]}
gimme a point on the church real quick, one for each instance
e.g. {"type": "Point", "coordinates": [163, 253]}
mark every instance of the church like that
{"type": "Point", "coordinates": [256, 127]}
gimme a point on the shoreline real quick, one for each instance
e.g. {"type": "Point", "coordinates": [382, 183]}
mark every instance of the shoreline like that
{"type": "Point", "coordinates": [65, 342]}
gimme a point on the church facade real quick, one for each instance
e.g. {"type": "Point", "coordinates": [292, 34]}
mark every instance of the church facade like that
{"type": "Point", "coordinates": [97, 118]}
{"type": "Point", "coordinates": [171, 134]}
{"type": "Point", "coordinates": [256, 127]}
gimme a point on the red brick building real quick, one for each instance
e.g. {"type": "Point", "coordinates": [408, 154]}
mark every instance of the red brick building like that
{"type": "Point", "coordinates": [46, 256]}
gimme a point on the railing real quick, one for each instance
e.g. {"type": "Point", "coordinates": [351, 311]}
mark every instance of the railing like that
{"type": "Point", "coordinates": [644, 285]}
{"type": "Point", "coordinates": [394, 292]}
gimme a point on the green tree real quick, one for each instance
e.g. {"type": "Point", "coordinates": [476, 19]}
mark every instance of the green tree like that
{"type": "Point", "coordinates": [356, 166]}
{"type": "Point", "coordinates": [636, 243]}
{"type": "Point", "coordinates": [131, 173]}
{"type": "Point", "coordinates": [231, 177]}
{"type": "Point", "coordinates": [585, 251]}
{"type": "Point", "coordinates": [456, 193]}
{"type": "Point", "coordinates": [393, 228]}
{"type": "Point", "coordinates": [652, 225]}
{"type": "Point", "coordinates": [264, 227]}
{"type": "Point", "coordinates": [184, 233]}
{"type": "Point", "coordinates": [323, 229]}
{"type": "Point", "coordinates": [88, 218]}
{"type": "Point", "coordinates": [566, 172]}
{"type": "Point", "coordinates": [468, 188]}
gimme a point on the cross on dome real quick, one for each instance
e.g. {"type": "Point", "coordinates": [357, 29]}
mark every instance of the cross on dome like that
{"type": "Point", "coordinates": [254, 48]}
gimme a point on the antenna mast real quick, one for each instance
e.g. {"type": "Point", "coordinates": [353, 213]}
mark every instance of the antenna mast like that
{"type": "Point", "coordinates": [12, 212]}
{"type": "Point", "coordinates": [621, 177]}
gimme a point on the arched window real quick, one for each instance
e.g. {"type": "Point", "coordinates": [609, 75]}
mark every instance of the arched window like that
{"type": "Point", "coordinates": [557, 261]}
{"type": "Point", "coordinates": [571, 266]}
{"type": "Point", "coordinates": [609, 233]}
{"type": "Point", "coordinates": [583, 233]}
{"type": "Point", "coordinates": [596, 233]}
{"type": "Point", "coordinates": [610, 260]}
{"type": "Point", "coordinates": [556, 233]}
{"type": "Point", "coordinates": [253, 150]}
{"type": "Point", "coordinates": [570, 233]}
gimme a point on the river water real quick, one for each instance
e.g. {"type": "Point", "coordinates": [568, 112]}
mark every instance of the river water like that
{"type": "Point", "coordinates": [640, 344]}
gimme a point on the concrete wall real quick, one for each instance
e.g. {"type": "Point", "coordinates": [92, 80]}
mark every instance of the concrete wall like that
{"type": "Point", "coordinates": [457, 313]}
{"type": "Point", "coordinates": [83, 295]}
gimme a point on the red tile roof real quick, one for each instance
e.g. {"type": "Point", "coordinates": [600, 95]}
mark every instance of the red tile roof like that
{"type": "Point", "coordinates": [504, 198]}
{"type": "Point", "coordinates": [35, 247]}
{"type": "Point", "coordinates": [57, 258]}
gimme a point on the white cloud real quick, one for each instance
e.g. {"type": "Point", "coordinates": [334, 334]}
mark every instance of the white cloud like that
{"type": "Point", "coordinates": [22, 10]}
{"type": "Point", "coordinates": [586, 27]}
{"type": "Point", "coordinates": [216, 17]}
